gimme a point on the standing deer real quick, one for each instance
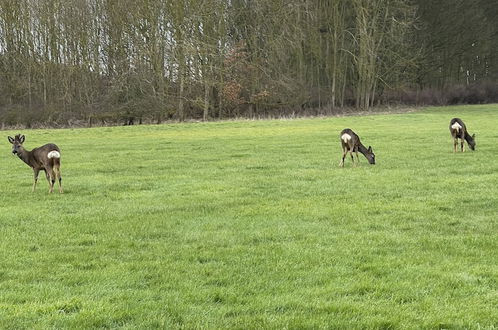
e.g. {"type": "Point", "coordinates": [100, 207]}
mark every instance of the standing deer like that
{"type": "Point", "coordinates": [351, 142]}
{"type": "Point", "coordinates": [458, 130]}
{"type": "Point", "coordinates": [46, 157]}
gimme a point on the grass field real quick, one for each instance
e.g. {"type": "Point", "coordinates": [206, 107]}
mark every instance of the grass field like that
{"type": "Point", "coordinates": [252, 224]}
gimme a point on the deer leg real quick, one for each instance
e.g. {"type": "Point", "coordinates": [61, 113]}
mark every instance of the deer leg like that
{"type": "Point", "coordinates": [36, 171]}
{"type": "Point", "coordinates": [357, 159]}
{"type": "Point", "coordinates": [52, 181]}
{"type": "Point", "coordinates": [57, 171]}
{"type": "Point", "coordinates": [50, 178]}
{"type": "Point", "coordinates": [344, 153]}
{"type": "Point", "coordinates": [455, 143]}
{"type": "Point", "coordinates": [463, 145]}
{"type": "Point", "coordinates": [352, 158]}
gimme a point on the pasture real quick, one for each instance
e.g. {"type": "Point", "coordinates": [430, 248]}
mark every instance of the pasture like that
{"type": "Point", "coordinates": [252, 224]}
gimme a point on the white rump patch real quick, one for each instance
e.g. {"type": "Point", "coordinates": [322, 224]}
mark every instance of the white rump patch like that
{"type": "Point", "coordinates": [54, 154]}
{"type": "Point", "coordinates": [456, 126]}
{"type": "Point", "coordinates": [345, 137]}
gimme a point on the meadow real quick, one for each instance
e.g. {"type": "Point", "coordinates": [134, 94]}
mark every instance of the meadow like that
{"type": "Point", "coordinates": [252, 224]}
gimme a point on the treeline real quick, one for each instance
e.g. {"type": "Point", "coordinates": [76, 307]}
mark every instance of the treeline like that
{"type": "Point", "coordinates": [128, 61]}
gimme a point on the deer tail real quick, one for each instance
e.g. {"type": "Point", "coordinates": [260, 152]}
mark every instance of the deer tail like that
{"type": "Point", "coordinates": [55, 157]}
{"type": "Point", "coordinates": [54, 154]}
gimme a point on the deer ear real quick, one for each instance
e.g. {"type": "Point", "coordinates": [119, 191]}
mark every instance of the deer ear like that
{"type": "Point", "coordinates": [473, 135]}
{"type": "Point", "coordinates": [21, 139]}
{"type": "Point", "coordinates": [11, 140]}
{"type": "Point", "coordinates": [370, 148]}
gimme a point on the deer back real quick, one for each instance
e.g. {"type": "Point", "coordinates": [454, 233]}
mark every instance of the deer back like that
{"type": "Point", "coordinates": [349, 139]}
{"type": "Point", "coordinates": [44, 155]}
{"type": "Point", "coordinates": [457, 128]}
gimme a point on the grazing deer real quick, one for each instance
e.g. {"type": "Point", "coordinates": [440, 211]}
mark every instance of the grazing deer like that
{"type": "Point", "coordinates": [46, 157]}
{"type": "Point", "coordinates": [458, 130]}
{"type": "Point", "coordinates": [351, 142]}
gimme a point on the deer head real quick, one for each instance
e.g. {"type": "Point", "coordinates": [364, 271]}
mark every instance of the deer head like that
{"type": "Point", "coordinates": [472, 142]}
{"type": "Point", "coordinates": [17, 142]}
{"type": "Point", "coordinates": [370, 155]}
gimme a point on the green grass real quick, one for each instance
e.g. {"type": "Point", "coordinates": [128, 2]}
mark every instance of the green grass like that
{"type": "Point", "coordinates": [252, 224]}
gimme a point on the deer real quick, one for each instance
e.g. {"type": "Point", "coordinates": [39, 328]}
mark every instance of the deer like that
{"type": "Point", "coordinates": [458, 130]}
{"type": "Point", "coordinates": [350, 141]}
{"type": "Point", "coordinates": [46, 157]}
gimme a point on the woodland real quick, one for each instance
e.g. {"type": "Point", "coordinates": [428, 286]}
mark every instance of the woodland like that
{"type": "Point", "coordinates": [105, 62]}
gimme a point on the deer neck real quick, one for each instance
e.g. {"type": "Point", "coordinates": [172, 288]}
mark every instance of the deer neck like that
{"type": "Point", "coordinates": [362, 149]}
{"type": "Point", "coordinates": [467, 137]}
{"type": "Point", "coordinates": [25, 156]}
